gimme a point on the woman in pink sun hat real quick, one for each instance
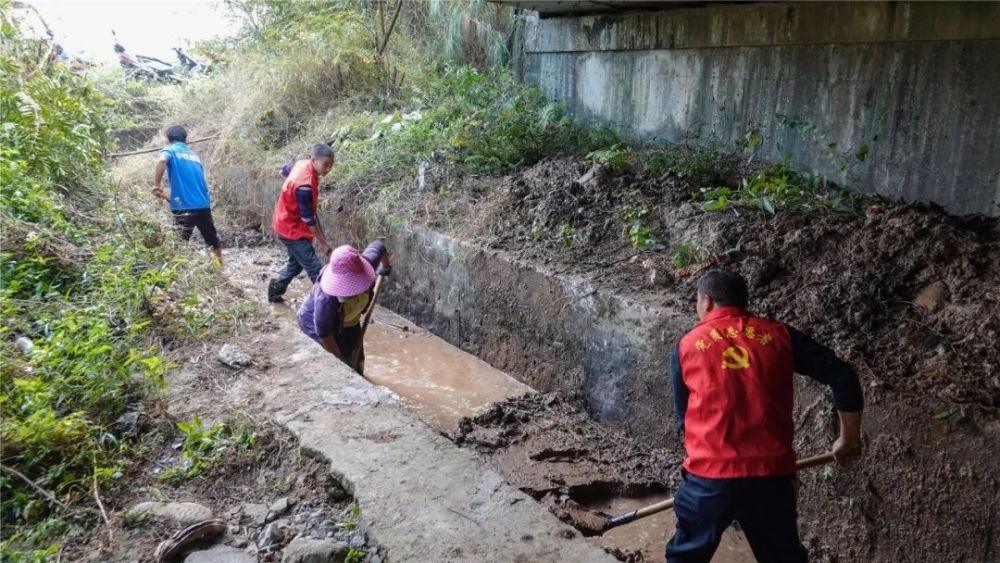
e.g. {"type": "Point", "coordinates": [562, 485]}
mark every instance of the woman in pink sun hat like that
{"type": "Point", "coordinates": [331, 314]}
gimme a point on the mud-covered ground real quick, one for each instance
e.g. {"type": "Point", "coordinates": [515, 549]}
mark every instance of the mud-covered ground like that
{"type": "Point", "coordinates": [906, 293]}
{"type": "Point", "coordinates": [909, 293]}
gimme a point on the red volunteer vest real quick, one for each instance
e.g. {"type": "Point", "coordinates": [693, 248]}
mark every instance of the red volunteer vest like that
{"type": "Point", "coordinates": [287, 221]}
{"type": "Point", "coordinates": [738, 369]}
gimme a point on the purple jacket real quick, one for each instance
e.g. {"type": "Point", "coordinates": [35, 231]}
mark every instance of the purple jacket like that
{"type": "Point", "coordinates": [323, 315]}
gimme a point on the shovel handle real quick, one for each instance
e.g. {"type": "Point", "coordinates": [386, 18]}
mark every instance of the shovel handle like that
{"type": "Point", "coordinates": [669, 503]}
{"type": "Point", "coordinates": [368, 317]}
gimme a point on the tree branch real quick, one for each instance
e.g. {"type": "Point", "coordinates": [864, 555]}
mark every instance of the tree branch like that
{"type": "Point", "coordinates": [48, 496]}
{"type": "Point", "coordinates": [392, 24]}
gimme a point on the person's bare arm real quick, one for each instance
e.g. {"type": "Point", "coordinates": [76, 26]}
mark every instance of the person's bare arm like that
{"type": "Point", "coordinates": [161, 167]}
{"type": "Point", "coordinates": [848, 444]}
{"type": "Point", "coordinates": [319, 237]}
{"type": "Point", "coordinates": [330, 345]}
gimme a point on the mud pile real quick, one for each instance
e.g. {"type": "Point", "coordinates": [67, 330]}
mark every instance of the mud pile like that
{"type": "Point", "coordinates": [908, 294]}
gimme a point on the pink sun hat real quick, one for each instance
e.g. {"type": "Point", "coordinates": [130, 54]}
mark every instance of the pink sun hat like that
{"type": "Point", "coordinates": [347, 274]}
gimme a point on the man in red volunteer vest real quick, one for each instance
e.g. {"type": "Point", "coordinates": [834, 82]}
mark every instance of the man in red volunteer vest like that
{"type": "Point", "coordinates": [733, 394]}
{"type": "Point", "coordinates": [296, 220]}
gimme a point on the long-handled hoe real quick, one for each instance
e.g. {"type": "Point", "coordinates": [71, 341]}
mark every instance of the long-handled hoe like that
{"type": "Point", "coordinates": [638, 514]}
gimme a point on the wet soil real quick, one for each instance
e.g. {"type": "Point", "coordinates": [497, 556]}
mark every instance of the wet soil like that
{"type": "Point", "coordinates": [582, 471]}
{"type": "Point", "coordinates": [906, 293]}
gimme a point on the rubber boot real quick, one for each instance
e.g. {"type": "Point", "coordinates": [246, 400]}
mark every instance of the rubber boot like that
{"type": "Point", "coordinates": [275, 292]}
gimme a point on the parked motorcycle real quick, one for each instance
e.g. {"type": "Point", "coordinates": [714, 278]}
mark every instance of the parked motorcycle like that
{"type": "Point", "coordinates": [188, 64]}
{"type": "Point", "coordinates": [141, 67]}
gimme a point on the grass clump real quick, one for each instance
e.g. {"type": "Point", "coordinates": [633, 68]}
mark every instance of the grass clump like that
{"type": "Point", "coordinates": [204, 445]}
{"type": "Point", "coordinates": [701, 166]}
{"type": "Point", "coordinates": [486, 122]}
{"type": "Point", "coordinates": [778, 187]}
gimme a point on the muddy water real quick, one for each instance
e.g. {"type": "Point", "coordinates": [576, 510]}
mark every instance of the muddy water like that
{"type": "Point", "coordinates": [651, 533]}
{"type": "Point", "coordinates": [437, 380]}
{"type": "Point", "coordinates": [442, 384]}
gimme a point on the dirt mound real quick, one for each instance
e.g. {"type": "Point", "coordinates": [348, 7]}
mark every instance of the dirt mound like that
{"type": "Point", "coordinates": [556, 453]}
{"type": "Point", "coordinates": [907, 293]}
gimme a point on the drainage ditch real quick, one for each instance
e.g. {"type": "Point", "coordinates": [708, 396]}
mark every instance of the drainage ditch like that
{"type": "Point", "coordinates": [582, 480]}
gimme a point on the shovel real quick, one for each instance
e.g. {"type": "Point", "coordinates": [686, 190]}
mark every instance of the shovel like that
{"type": "Point", "coordinates": [669, 503]}
{"type": "Point", "coordinates": [364, 324]}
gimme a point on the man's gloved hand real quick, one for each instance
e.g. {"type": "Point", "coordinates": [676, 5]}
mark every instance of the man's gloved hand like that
{"type": "Point", "coordinates": [383, 271]}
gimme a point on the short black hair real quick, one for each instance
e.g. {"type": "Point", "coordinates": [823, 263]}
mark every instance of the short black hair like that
{"type": "Point", "coordinates": [726, 287]}
{"type": "Point", "coordinates": [176, 133]}
{"type": "Point", "coordinates": [321, 150]}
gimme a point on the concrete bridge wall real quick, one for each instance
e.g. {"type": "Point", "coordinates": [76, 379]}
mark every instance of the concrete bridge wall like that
{"type": "Point", "coordinates": [918, 84]}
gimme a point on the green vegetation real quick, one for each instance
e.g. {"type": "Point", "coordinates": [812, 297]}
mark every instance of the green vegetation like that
{"type": "Point", "coordinates": [700, 166]}
{"type": "Point", "coordinates": [685, 254]}
{"type": "Point", "coordinates": [487, 122]}
{"type": "Point", "coordinates": [777, 187]}
{"type": "Point", "coordinates": [203, 446]}
{"type": "Point", "coordinates": [639, 233]}
{"type": "Point", "coordinates": [618, 157]}
{"type": "Point", "coordinates": [86, 281]}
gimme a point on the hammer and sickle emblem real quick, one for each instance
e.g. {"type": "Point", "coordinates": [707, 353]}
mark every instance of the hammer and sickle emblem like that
{"type": "Point", "coordinates": [735, 357]}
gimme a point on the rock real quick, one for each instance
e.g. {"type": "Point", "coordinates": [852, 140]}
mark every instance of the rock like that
{"type": "Point", "coordinates": [127, 425]}
{"type": "Point", "coordinates": [234, 356]}
{"type": "Point", "coordinates": [303, 550]}
{"type": "Point", "coordinates": [237, 542]}
{"type": "Point", "coordinates": [220, 554]}
{"type": "Point", "coordinates": [255, 513]}
{"type": "Point", "coordinates": [272, 535]}
{"type": "Point", "coordinates": [933, 296]}
{"type": "Point", "coordinates": [278, 507]}
{"type": "Point", "coordinates": [183, 513]}
{"type": "Point", "coordinates": [356, 540]}
{"type": "Point", "coordinates": [24, 345]}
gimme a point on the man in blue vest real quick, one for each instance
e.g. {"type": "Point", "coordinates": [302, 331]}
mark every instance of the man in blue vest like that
{"type": "Point", "coordinates": [189, 201]}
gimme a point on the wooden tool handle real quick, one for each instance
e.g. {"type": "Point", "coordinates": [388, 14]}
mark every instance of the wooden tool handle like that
{"type": "Point", "coordinates": [669, 503]}
{"type": "Point", "coordinates": [815, 460]}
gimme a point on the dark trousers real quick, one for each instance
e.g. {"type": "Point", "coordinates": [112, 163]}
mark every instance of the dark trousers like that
{"type": "Point", "coordinates": [301, 256]}
{"type": "Point", "coordinates": [350, 344]}
{"type": "Point", "coordinates": [201, 219]}
{"type": "Point", "coordinates": [764, 507]}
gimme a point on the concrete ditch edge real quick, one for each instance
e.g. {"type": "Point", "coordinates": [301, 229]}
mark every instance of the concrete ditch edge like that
{"type": "Point", "coordinates": [422, 498]}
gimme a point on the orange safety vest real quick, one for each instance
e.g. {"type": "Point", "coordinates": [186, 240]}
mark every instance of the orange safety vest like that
{"type": "Point", "coordinates": [739, 373]}
{"type": "Point", "coordinates": [287, 221]}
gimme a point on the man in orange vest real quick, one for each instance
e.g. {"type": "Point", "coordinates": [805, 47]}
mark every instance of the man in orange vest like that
{"type": "Point", "coordinates": [296, 220]}
{"type": "Point", "coordinates": [733, 395]}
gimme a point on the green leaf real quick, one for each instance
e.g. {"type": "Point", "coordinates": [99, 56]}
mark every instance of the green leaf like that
{"type": "Point", "coordinates": [767, 204]}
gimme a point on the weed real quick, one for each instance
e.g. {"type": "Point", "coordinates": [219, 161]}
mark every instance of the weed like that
{"type": "Point", "coordinates": [355, 556]}
{"type": "Point", "coordinates": [639, 233]}
{"type": "Point", "coordinates": [570, 235]}
{"type": "Point", "coordinates": [701, 166]}
{"type": "Point", "coordinates": [776, 187]}
{"type": "Point", "coordinates": [77, 285]}
{"type": "Point", "coordinates": [617, 157]}
{"type": "Point", "coordinates": [685, 254]}
{"type": "Point", "coordinates": [204, 446]}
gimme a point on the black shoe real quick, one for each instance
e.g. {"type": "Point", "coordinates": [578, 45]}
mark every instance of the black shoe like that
{"type": "Point", "coordinates": [274, 292]}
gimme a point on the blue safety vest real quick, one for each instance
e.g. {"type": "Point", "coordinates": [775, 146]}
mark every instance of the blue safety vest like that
{"type": "Point", "coordinates": [188, 189]}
